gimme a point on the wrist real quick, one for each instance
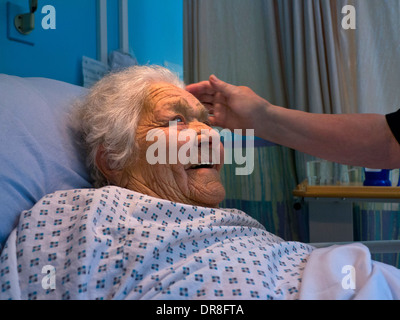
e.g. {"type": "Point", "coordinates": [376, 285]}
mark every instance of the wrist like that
{"type": "Point", "coordinates": [261, 119]}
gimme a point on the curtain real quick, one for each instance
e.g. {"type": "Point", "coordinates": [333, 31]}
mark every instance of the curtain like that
{"type": "Point", "coordinates": [292, 53]}
{"type": "Point", "coordinates": [378, 55]}
{"type": "Point", "coordinates": [296, 54]}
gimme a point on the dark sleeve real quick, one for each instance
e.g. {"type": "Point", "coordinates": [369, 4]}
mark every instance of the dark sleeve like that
{"type": "Point", "coordinates": [393, 120]}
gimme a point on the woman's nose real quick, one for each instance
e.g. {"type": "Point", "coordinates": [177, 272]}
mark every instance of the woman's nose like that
{"type": "Point", "coordinates": [206, 134]}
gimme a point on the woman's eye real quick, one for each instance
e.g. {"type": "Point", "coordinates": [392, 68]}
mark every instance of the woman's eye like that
{"type": "Point", "coordinates": [178, 119]}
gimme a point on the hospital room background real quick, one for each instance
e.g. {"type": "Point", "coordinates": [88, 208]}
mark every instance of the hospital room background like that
{"type": "Point", "coordinates": [296, 54]}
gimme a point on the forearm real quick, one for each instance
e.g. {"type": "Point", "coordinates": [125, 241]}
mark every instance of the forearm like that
{"type": "Point", "coordinates": [354, 139]}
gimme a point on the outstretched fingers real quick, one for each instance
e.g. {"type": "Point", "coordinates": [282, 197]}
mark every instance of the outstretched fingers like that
{"type": "Point", "coordinates": [200, 88]}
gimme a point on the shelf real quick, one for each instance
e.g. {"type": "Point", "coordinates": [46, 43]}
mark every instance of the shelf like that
{"type": "Point", "coordinates": [356, 191]}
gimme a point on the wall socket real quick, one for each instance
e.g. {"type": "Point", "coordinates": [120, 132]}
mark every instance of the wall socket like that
{"type": "Point", "coordinates": [12, 33]}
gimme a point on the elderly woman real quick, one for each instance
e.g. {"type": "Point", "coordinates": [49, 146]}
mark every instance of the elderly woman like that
{"type": "Point", "coordinates": [116, 117]}
{"type": "Point", "coordinates": [154, 231]}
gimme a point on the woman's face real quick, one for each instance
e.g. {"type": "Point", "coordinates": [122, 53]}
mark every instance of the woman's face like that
{"type": "Point", "coordinates": [173, 112]}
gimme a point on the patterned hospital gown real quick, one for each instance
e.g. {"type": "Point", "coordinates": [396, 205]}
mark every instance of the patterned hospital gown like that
{"type": "Point", "coordinates": [113, 243]}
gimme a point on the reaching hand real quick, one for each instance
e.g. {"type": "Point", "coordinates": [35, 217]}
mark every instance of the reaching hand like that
{"type": "Point", "coordinates": [230, 106]}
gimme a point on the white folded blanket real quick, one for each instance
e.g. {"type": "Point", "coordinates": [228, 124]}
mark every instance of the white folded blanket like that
{"type": "Point", "coordinates": [347, 272]}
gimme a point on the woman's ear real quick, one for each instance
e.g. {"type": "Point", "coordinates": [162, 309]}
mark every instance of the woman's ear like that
{"type": "Point", "coordinates": [115, 177]}
{"type": "Point", "coordinates": [102, 164]}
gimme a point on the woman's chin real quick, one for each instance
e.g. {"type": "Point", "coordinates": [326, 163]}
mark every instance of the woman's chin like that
{"type": "Point", "coordinates": [210, 196]}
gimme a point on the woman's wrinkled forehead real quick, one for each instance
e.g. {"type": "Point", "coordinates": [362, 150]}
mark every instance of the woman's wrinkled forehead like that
{"type": "Point", "coordinates": [160, 91]}
{"type": "Point", "coordinates": [164, 96]}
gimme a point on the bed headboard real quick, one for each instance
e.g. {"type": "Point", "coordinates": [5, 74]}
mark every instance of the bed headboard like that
{"type": "Point", "coordinates": [38, 152]}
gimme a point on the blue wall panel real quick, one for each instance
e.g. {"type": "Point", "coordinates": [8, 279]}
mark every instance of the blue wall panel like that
{"type": "Point", "coordinates": [155, 36]}
{"type": "Point", "coordinates": [56, 53]}
{"type": "Point", "coordinates": [156, 31]}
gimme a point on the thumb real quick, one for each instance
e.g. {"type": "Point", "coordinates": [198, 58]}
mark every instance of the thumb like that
{"type": "Point", "coordinates": [220, 85]}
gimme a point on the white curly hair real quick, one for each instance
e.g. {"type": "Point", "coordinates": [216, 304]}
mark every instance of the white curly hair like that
{"type": "Point", "coordinates": [109, 114]}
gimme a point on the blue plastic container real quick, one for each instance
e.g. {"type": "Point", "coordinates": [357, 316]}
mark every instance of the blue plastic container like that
{"type": "Point", "coordinates": [377, 178]}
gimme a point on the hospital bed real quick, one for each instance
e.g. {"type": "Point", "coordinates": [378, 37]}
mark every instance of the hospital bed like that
{"type": "Point", "coordinates": [40, 158]}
